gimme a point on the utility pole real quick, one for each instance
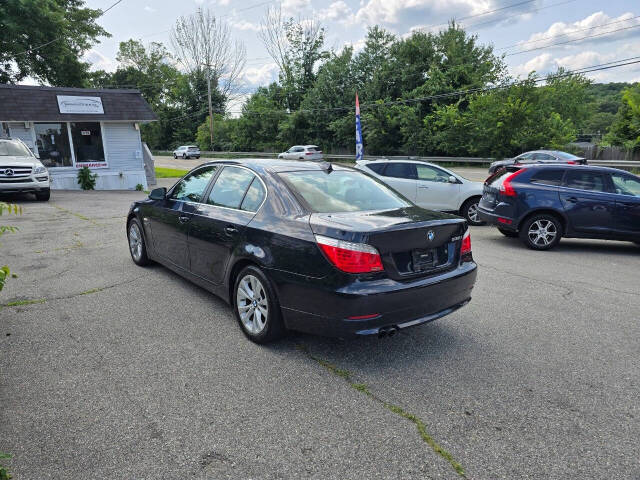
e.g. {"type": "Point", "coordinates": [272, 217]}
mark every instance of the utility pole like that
{"type": "Point", "coordinates": [210, 107]}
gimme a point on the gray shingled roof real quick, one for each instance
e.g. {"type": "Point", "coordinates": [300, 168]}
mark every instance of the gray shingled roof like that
{"type": "Point", "coordinates": [24, 103]}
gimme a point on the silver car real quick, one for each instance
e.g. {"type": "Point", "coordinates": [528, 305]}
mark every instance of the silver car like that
{"type": "Point", "coordinates": [302, 152]}
{"type": "Point", "coordinates": [538, 156]}
{"type": "Point", "coordinates": [187, 151]}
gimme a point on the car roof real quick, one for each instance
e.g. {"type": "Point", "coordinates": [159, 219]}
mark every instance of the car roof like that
{"type": "Point", "coordinates": [274, 165]}
{"type": "Point", "coordinates": [595, 168]}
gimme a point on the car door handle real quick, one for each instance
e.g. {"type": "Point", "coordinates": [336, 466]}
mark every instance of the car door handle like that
{"type": "Point", "coordinates": [572, 199]}
{"type": "Point", "coordinates": [183, 219]}
{"type": "Point", "coordinates": [423, 186]}
{"type": "Point", "coordinates": [231, 230]}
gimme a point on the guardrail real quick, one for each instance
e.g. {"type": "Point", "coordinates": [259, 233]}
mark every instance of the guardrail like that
{"type": "Point", "coordinates": [350, 158]}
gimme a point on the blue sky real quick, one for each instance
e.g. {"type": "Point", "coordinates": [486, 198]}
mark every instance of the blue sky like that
{"type": "Point", "coordinates": [515, 21]}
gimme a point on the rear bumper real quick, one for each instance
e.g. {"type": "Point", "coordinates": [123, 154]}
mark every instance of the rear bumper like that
{"type": "Point", "coordinates": [399, 305]}
{"type": "Point", "coordinates": [502, 221]}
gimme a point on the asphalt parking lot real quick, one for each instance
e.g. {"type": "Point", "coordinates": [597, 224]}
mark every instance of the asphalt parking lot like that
{"type": "Point", "coordinates": [112, 370]}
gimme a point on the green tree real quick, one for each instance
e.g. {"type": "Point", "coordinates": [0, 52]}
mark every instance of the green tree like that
{"type": "Point", "coordinates": [46, 39]}
{"type": "Point", "coordinates": [625, 131]}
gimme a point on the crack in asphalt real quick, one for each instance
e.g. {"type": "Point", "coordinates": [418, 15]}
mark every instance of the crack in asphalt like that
{"type": "Point", "coordinates": [364, 389]}
{"type": "Point", "coordinates": [31, 301]}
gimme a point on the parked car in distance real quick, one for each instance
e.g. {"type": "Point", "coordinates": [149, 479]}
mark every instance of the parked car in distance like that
{"type": "Point", "coordinates": [21, 171]}
{"type": "Point", "coordinates": [306, 246]}
{"type": "Point", "coordinates": [539, 156]}
{"type": "Point", "coordinates": [542, 203]}
{"type": "Point", "coordinates": [429, 186]}
{"type": "Point", "coordinates": [187, 151]}
{"type": "Point", "coordinates": [302, 152]}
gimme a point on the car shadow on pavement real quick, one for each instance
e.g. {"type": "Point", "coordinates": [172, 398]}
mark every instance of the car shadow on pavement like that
{"type": "Point", "coordinates": [574, 245]}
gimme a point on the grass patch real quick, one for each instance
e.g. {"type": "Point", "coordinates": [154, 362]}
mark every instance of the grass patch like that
{"type": "Point", "coordinates": [93, 290]}
{"type": "Point", "coordinates": [19, 303]}
{"type": "Point", "coordinates": [364, 389]}
{"type": "Point", "coordinates": [162, 172]}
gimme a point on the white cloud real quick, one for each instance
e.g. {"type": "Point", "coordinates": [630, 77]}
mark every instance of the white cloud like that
{"type": "Point", "coordinates": [245, 25]}
{"type": "Point", "coordinates": [401, 15]}
{"type": "Point", "coordinates": [594, 24]}
{"type": "Point", "coordinates": [338, 11]}
{"type": "Point", "coordinates": [99, 61]}
{"type": "Point", "coordinates": [261, 75]}
{"type": "Point", "coordinates": [547, 63]}
{"type": "Point", "coordinates": [292, 8]}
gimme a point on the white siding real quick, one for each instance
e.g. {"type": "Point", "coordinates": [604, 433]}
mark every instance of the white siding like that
{"type": "Point", "coordinates": [123, 147]}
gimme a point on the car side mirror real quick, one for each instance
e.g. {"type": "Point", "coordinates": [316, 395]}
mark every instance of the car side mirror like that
{"type": "Point", "coordinates": [158, 193]}
{"type": "Point", "coordinates": [452, 179]}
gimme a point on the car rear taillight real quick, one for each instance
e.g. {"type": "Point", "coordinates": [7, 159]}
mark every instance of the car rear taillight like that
{"type": "Point", "coordinates": [309, 153]}
{"type": "Point", "coordinates": [465, 248]}
{"type": "Point", "coordinates": [571, 162]}
{"type": "Point", "coordinates": [350, 257]}
{"type": "Point", "coordinates": [506, 188]}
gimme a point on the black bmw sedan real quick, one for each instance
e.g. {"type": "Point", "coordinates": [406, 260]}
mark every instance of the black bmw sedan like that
{"type": "Point", "coordinates": [306, 246]}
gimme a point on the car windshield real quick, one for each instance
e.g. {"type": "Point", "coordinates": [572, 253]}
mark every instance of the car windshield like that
{"type": "Point", "coordinates": [343, 191]}
{"type": "Point", "coordinates": [566, 156]}
{"type": "Point", "coordinates": [13, 149]}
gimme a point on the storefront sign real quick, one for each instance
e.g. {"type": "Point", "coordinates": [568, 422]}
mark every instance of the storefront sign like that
{"type": "Point", "coordinates": [75, 104]}
{"type": "Point", "coordinates": [91, 164]}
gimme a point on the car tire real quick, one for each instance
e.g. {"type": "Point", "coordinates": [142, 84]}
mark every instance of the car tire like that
{"type": "Point", "coordinates": [184, 156]}
{"type": "Point", "coordinates": [508, 233]}
{"type": "Point", "coordinates": [175, 156]}
{"type": "Point", "coordinates": [137, 244]}
{"type": "Point", "coordinates": [198, 157]}
{"type": "Point", "coordinates": [469, 211]}
{"type": "Point", "coordinates": [541, 232]}
{"type": "Point", "coordinates": [256, 306]}
{"type": "Point", "coordinates": [43, 196]}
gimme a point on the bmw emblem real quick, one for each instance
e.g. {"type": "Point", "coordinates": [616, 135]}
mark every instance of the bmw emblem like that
{"type": "Point", "coordinates": [8, 172]}
{"type": "Point", "coordinates": [431, 235]}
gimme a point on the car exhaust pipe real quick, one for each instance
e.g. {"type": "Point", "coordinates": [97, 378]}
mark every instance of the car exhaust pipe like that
{"type": "Point", "coordinates": [387, 332]}
{"type": "Point", "coordinates": [392, 331]}
{"type": "Point", "coordinates": [382, 333]}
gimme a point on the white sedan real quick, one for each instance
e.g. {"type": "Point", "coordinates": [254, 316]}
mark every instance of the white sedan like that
{"type": "Point", "coordinates": [429, 186]}
{"type": "Point", "coordinates": [302, 152]}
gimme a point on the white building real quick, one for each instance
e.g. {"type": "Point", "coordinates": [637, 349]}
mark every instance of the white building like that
{"type": "Point", "coordinates": [70, 128]}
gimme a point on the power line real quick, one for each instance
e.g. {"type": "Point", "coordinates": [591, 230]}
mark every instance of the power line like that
{"type": "Point", "coordinates": [553, 37]}
{"type": "Point", "coordinates": [572, 41]}
{"type": "Point", "coordinates": [487, 12]}
{"type": "Point", "coordinates": [30, 50]}
{"type": "Point", "coordinates": [502, 19]}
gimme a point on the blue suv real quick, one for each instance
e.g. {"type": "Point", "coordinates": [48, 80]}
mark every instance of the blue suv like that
{"type": "Point", "coordinates": [542, 203]}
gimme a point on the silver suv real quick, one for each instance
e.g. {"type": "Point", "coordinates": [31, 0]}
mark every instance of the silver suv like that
{"type": "Point", "coordinates": [21, 171]}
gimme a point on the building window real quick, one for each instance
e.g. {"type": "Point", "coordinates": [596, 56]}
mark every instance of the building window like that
{"type": "Point", "coordinates": [87, 143]}
{"type": "Point", "coordinates": [52, 144]}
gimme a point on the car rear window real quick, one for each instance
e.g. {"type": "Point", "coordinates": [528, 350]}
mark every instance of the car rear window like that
{"type": "Point", "coordinates": [230, 187]}
{"type": "Point", "coordinates": [566, 156]}
{"type": "Point", "coordinates": [585, 180]}
{"type": "Point", "coordinates": [343, 191]}
{"type": "Point", "coordinates": [313, 149]}
{"type": "Point", "coordinates": [548, 176]}
{"type": "Point", "coordinates": [377, 167]}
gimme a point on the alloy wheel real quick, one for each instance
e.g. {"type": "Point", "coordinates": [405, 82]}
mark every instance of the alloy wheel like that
{"type": "Point", "coordinates": [472, 213]}
{"type": "Point", "coordinates": [252, 304]}
{"type": "Point", "coordinates": [135, 241]}
{"type": "Point", "coordinates": [542, 232]}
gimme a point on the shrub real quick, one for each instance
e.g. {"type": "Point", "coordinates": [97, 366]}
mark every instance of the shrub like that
{"type": "Point", "coordinates": [139, 187]}
{"type": "Point", "coordinates": [86, 179]}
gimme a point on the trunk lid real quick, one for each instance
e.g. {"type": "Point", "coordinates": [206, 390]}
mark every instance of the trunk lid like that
{"type": "Point", "coordinates": [412, 242]}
